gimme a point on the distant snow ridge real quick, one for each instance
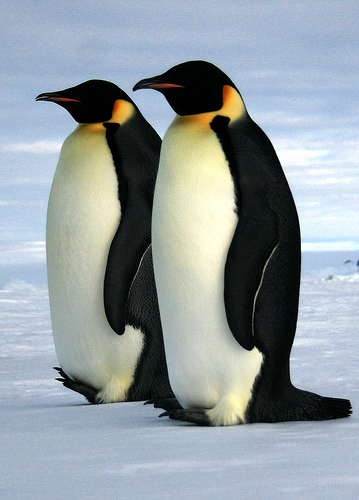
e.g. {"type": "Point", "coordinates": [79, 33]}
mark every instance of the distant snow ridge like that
{"type": "Point", "coordinates": [348, 271]}
{"type": "Point", "coordinates": [351, 278]}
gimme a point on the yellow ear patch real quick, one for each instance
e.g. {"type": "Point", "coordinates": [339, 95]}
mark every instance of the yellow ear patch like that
{"type": "Point", "coordinates": [233, 106]}
{"type": "Point", "coordinates": [122, 111]}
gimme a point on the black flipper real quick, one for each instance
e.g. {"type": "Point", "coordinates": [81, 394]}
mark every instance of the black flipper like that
{"type": "Point", "coordinates": [254, 242]}
{"type": "Point", "coordinates": [256, 235]}
{"type": "Point", "coordinates": [136, 185]}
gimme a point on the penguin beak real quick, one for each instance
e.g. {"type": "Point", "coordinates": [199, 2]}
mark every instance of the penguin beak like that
{"type": "Point", "coordinates": [156, 84]}
{"type": "Point", "coordinates": [54, 96]}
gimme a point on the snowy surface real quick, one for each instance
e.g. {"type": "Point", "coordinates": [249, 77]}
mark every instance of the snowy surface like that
{"type": "Point", "coordinates": [54, 445]}
{"type": "Point", "coordinates": [296, 64]}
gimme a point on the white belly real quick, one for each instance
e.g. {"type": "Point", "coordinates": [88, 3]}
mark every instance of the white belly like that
{"type": "Point", "coordinates": [83, 215]}
{"type": "Point", "coordinates": [193, 224]}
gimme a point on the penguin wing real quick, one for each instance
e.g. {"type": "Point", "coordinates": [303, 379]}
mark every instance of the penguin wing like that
{"type": "Point", "coordinates": [136, 162]}
{"type": "Point", "coordinates": [256, 235]}
{"type": "Point", "coordinates": [253, 244]}
{"type": "Point", "coordinates": [124, 259]}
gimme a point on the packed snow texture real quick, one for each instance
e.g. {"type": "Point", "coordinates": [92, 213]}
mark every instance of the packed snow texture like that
{"type": "Point", "coordinates": [55, 445]}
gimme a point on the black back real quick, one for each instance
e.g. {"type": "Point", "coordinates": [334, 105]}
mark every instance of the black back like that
{"type": "Point", "coordinates": [130, 295]}
{"type": "Point", "coordinates": [261, 294]}
{"type": "Point", "coordinates": [135, 148]}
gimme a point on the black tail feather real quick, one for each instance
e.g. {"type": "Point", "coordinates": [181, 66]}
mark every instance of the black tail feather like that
{"type": "Point", "coordinates": [296, 405]}
{"type": "Point", "coordinates": [326, 408]}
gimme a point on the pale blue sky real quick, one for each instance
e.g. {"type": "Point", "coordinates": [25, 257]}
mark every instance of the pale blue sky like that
{"type": "Point", "coordinates": [295, 63]}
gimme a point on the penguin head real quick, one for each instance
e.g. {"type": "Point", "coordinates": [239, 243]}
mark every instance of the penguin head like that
{"type": "Point", "coordinates": [191, 87]}
{"type": "Point", "coordinates": [89, 102]}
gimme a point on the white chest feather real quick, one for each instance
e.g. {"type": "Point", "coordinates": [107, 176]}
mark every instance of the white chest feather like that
{"type": "Point", "coordinates": [83, 215]}
{"type": "Point", "coordinates": [194, 221]}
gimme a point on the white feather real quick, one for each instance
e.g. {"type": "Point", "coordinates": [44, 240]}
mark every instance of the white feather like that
{"type": "Point", "coordinates": [194, 221]}
{"type": "Point", "coordinates": [83, 215]}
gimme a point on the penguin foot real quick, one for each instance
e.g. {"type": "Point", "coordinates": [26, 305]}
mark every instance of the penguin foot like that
{"type": "Point", "coordinates": [166, 404]}
{"type": "Point", "coordinates": [193, 415]}
{"type": "Point", "coordinates": [89, 392]}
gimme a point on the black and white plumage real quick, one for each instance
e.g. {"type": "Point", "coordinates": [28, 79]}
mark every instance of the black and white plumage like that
{"type": "Point", "coordinates": [103, 301]}
{"type": "Point", "coordinates": [226, 245]}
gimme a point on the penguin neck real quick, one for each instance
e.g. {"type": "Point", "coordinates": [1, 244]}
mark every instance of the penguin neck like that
{"type": "Point", "coordinates": [121, 113]}
{"type": "Point", "coordinates": [233, 107]}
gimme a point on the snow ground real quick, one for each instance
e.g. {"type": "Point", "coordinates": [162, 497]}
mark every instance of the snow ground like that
{"type": "Point", "coordinates": [54, 445]}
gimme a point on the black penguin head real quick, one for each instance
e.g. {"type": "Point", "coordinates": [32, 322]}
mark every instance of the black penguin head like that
{"type": "Point", "coordinates": [88, 102]}
{"type": "Point", "coordinates": [190, 88]}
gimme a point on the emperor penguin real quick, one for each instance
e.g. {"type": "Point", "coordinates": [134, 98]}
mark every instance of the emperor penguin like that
{"type": "Point", "coordinates": [103, 302]}
{"type": "Point", "coordinates": [226, 250]}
